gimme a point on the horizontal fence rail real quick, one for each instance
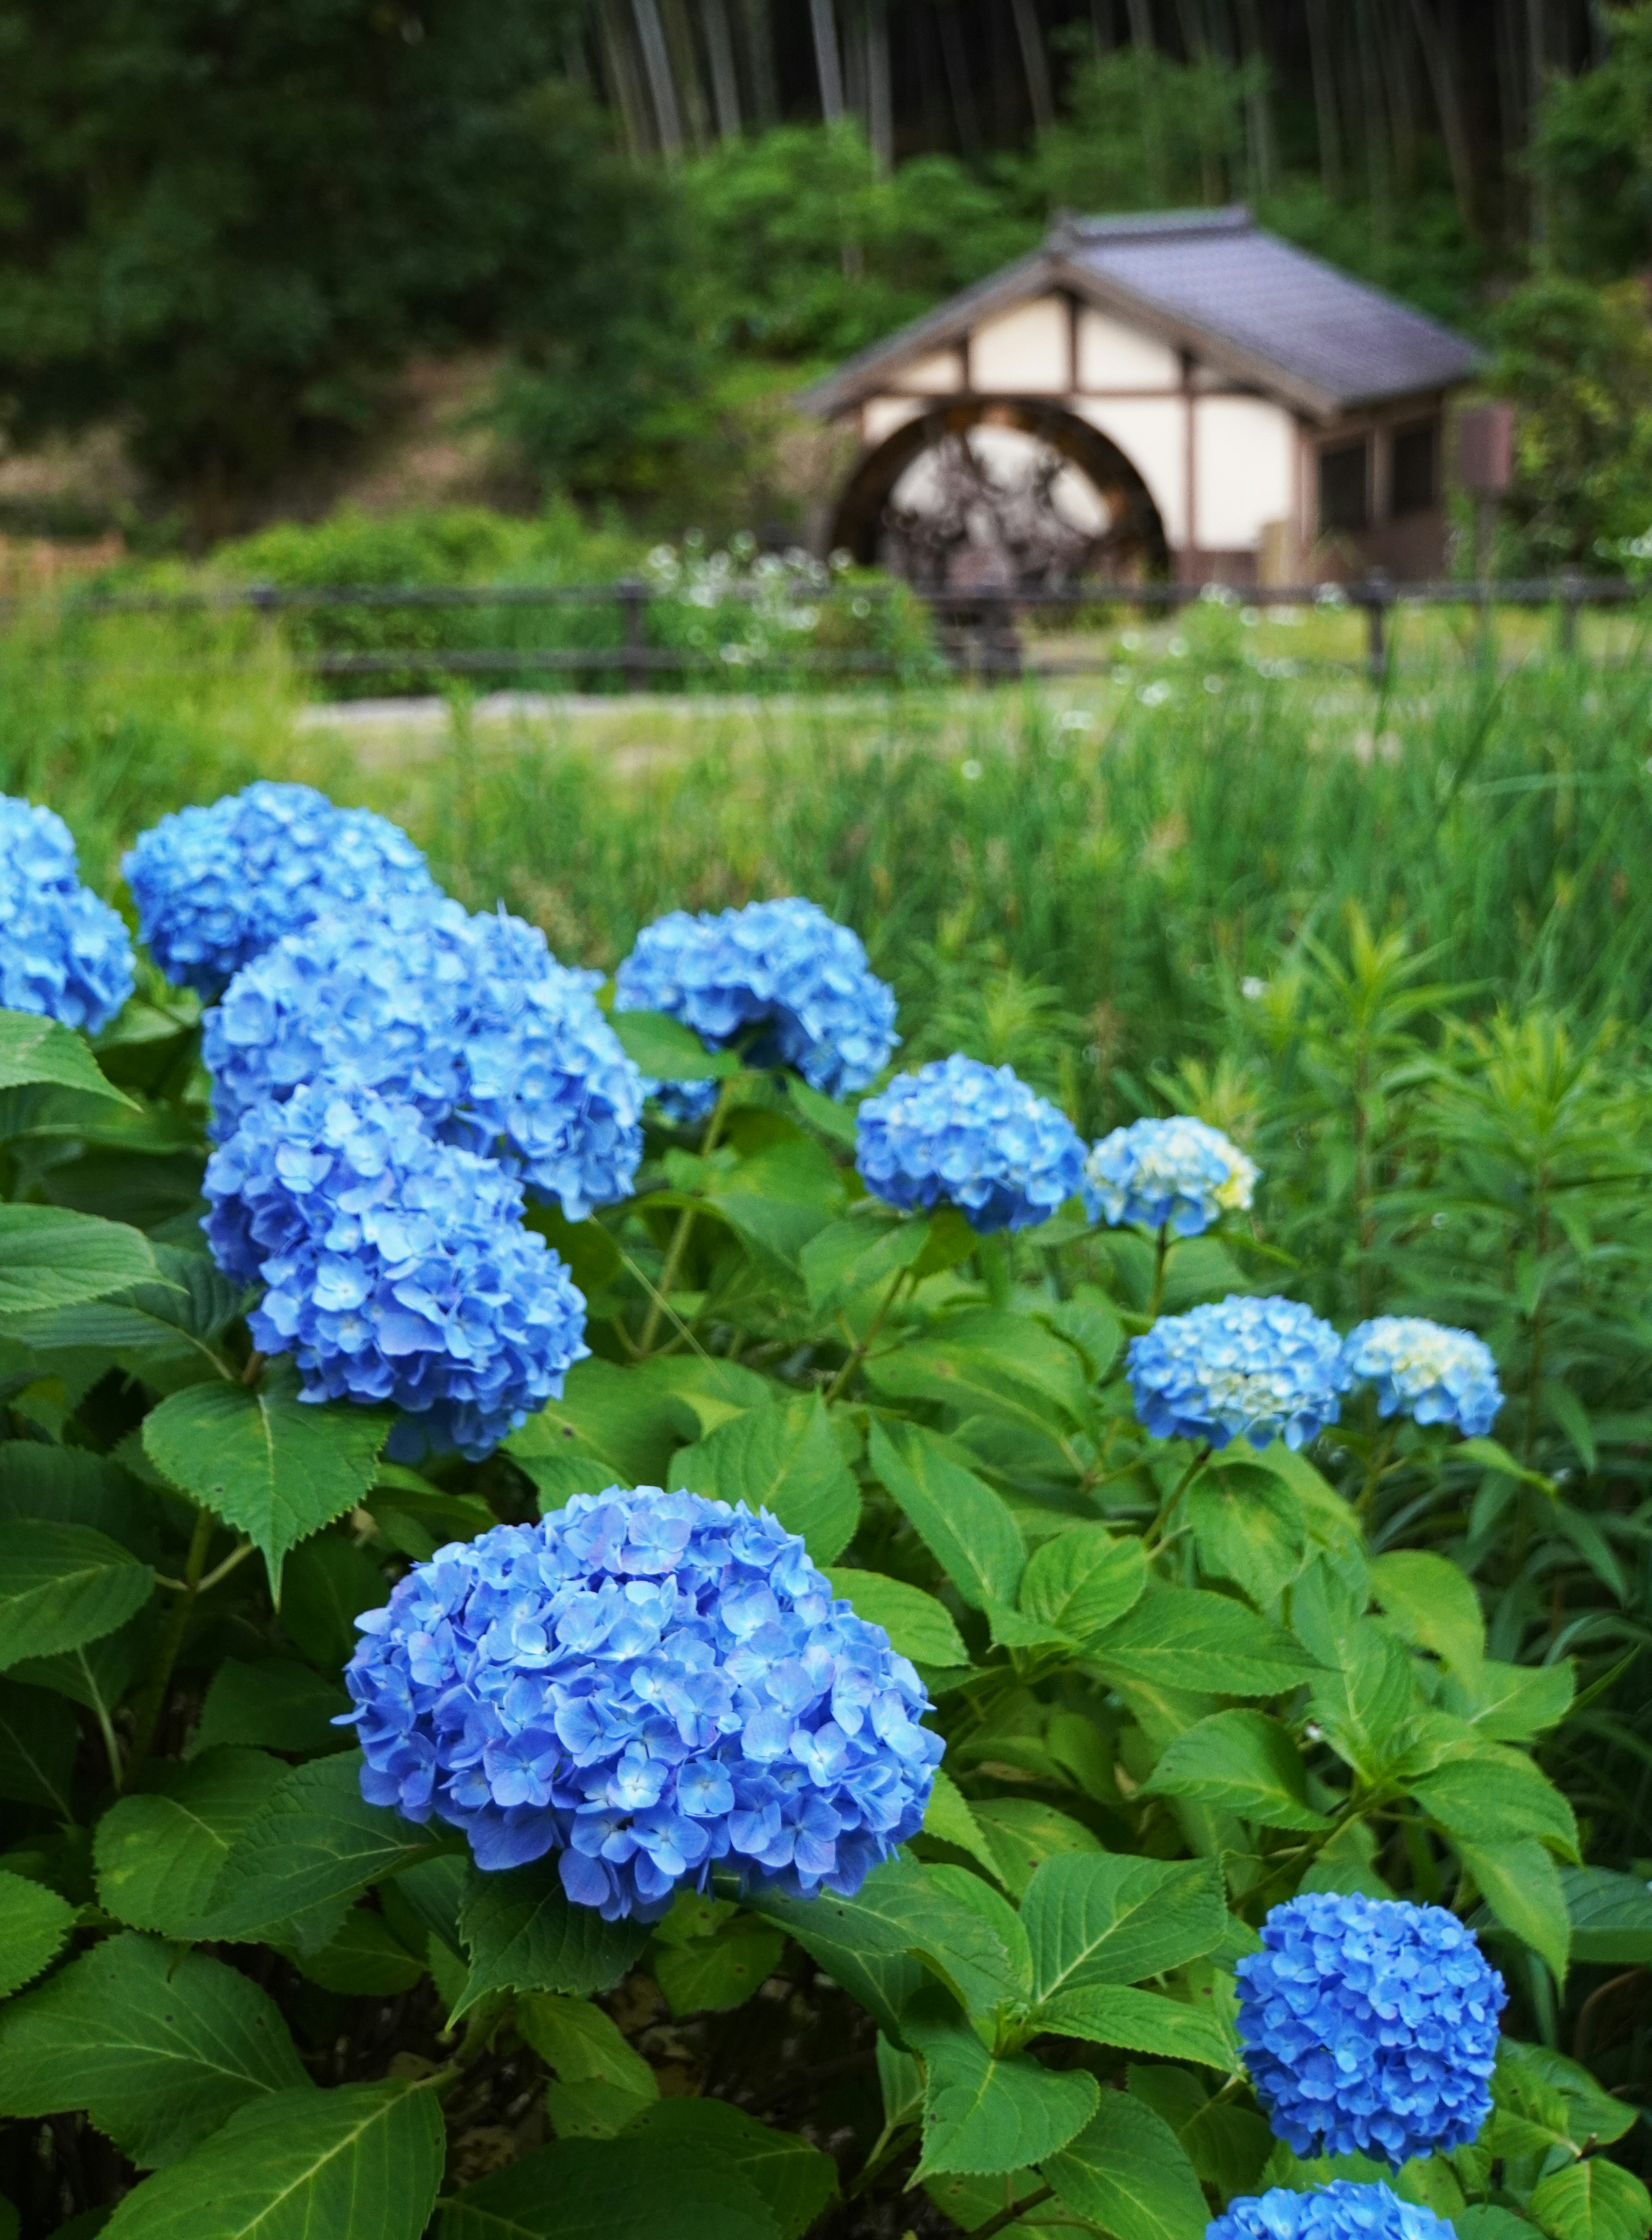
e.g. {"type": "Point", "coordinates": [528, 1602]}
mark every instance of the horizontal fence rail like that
{"type": "Point", "coordinates": [976, 628]}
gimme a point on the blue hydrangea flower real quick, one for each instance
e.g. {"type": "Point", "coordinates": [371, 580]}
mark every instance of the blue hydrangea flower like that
{"type": "Point", "coordinates": [1424, 1371]}
{"type": "Point", "coordinates": [784, 966]}
{"type": "Point", "coordinates": [216, 886]}
{"type": "Point", "coordinates": [957, 1132]}
{"type": "Point", "coordinates": [1259, 1369]}
{"type": "Point", "coordinates": [652, 1683]}
{"type": "Point", "coordinates": [1178, 1174]}
{"type": "Point", "coordinates": [1340, 2210]}
{"type": "Point", "coordinates": [397, 1267]}
{"type": "Point", "coordinates": [1370, 2026]}
{"type": "Point", "coordinates": [469, 1018]}
{"type": "Point", "coordinates": [65, 954]}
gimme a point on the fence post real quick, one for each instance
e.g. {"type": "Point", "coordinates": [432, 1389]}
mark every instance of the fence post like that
{"type": "Point", "coordinates": [632, 593]}
{"type": "Point", "coordinates": [1373, 597]}
{"type": "Point", "coordinates": [1571, 598]}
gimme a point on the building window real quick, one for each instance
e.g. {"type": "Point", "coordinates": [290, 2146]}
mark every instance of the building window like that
{"type": "Point", "coordinates": [1416, 468]}
{"type": "Point", "coordinates": [1345, 485]}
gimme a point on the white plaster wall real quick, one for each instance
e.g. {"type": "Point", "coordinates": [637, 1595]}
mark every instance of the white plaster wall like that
{"type": "Point", "coordinates": [1023, 353]}
{"type": "Point", "coordinates": [881, 416]}
{"type": "Point", "coordinates": [937, 375]}
{"type": "Point", "coordinates": [1152, 436]}
{"type": "Point", "coordinates": [1243, 449]}
{"type": "Point", "coordinates": [1113, 355]}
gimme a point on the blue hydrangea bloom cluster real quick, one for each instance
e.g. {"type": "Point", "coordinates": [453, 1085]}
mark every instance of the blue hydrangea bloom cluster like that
{"type": "Point", "coordinates": [1256, 1369]}
{"type": "Point", "coordinates": [957, 1132]}
{"type": "Point", "coordinates": [1179, 1175]}
{"type": "Point", "coordinates": [397, 1267]}
{"type": "Point", "coordinates": [1370, 2026]}
{"type": "Point", "coordinates": [651, 1684]}
{"type": "Point", "coordinates": [472, 1019]}
{"type": "Point", "coordinates": [1340, 2210]}
{"type": "Point", "coordinates": [216, 886]}
{"type": "Point", "coordinates": [782, 966]}
{"type": "Point", "coordinates": [65, 954]}
{"type": "Point", "coordinates": [1423, 1369]}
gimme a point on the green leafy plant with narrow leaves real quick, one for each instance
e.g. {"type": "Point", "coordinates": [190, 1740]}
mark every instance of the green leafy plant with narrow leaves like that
{"type": "Point", "coordinates": [1177, 1686]}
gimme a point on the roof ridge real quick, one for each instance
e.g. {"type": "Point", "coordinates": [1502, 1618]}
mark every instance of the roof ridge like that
{"type": "Point", "coordinates": [1075, 227]}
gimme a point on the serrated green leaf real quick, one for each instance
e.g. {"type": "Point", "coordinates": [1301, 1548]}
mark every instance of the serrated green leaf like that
{"type": "Point", "coordinates": [591, 2109]}
{"type": "Point", "coordinates": [629, 1420]}
{"type": "Point", "coordinates": [1248, 1527]}
{"type": "Point", "coordinates": [362, 1959]}
{"type": "Point", "coordinates": [1188, 1639]}
{"type": "Point", "coordinates": [157, 1856]}
{"type": "Point", "coordinates": [862, 1942]}
{"type": "Point", "coordinates": [582, 2044]}
{"type": "Point", "coordinates": [964, 1932]}
{"type": "Point", "coordinates": [263, 1461]}
{"type": "Point", "coordinates": [274, 1704]}
{"type": "Point", "coordinates": [315, 1843]}
{"type": "Point", "coordinates": [986, 1362]}
{"type": "Point", "coordinates": [1024, 1833]}
{"type": "Point", "coordinates": [328, 1581]}
{"type": "Point", "coordinates": [983, 2112]}
{"type": "Point", "coordinates": [157, 2048]}
{"type": "Point", "coordinates": [796, 2180]}
{"type": "Point", "coordinates": [1592, 2200]}
{"type": "Point", "coordinates": [783, 1456]}
{"type": "Point", "coordinates": [1498, 1796]}
{"type": "Point", "coordinates": [715, 1973]}
{"type": "Point", "coordinates": [62, 1586]}
{"type": "Point", "coordinates": [1593, 2117]}
{"type": "Point", "coordinates": [1128, 2172]}
{"type": "Point", "coordinates": [179, 1318]}
{"type": "Point", "coordinates": [1239, 1762]}
{"type": "Point", "coordinates": [965, 1526]}
{"type": "Point", "coordinates": [35, 1050]}
{"type": "Point", "coordinates": [918, 1625]}
{"type": "Point", "coordinates": [1141, 2022]}
{"type": "Point", "coordinates": [950, 1820]}
{"type": "Point", "coordinates": [665, 1049]}
{"type": "Point", "coordinates": [35, 1924]}
{"type": "Point", "coordinates": [1520, 1883]}
{"type": "Point", "coordinates": [1083, 1580]}
{"type": "Point", "coordinates": [522, 1932]}
{"type": "Point", "coordinates": [364, 2160]}
{"type": "Point", "coordinates": [1611, 1917]}
{"type": "Point", "coordinates": [862, 1252]}
{"type": "Point", "coordinates": [1511, 1702]}
{"type": "Point", "coordinates": [674, 2189]}
{"type": "Point", "coordinates": [1431, 1605]}
{"type": "Point", "coordinates": [51, 1259]}
{"type": "Point", "coordinates": [1110, 1919]}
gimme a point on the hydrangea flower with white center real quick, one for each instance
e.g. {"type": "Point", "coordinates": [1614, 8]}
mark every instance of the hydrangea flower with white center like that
{"type": "Point", "coordinates": [1340, 2210]}
{"type": "Point", "coordinates": [1423, 1369]}
{"type": "Point", "coordinates": [957, 1132]}
{"type": "Point", "coordinates": [65, 954]}
{"type": "Point", "coordinates": [216, 886]}
{"type": "Point", "coordinates": [1369, 2026]}
{"type": "Point", "coordinates": [1179, 1175]}
{"type": "Point", "coordinates": [1257, 1369]}
{"type": "Point", "coordinates": [651, 1684]}
{"type": "Point", "coordinates": [784, 967]}
{"type": "Point", "coordinates": [397, 1267]}
{"type": "Point", "coordinates": [472, 1019]}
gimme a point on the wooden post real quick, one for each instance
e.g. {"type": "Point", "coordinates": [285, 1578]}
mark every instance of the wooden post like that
{"type": "Point", "coordinates": [1571, 598]}
{"type": "Point", "coordinates": [1373, 597]}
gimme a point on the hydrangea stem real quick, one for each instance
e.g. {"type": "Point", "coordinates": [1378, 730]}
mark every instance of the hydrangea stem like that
{"type": "Point", "coordinates": [1156, 1538]}
{"type": "Point", "coordinates": [152, 1702]}
{"type": "Point", "coordinates": [862, 1346]}
{"type": "Point", "coordinates": [1381, 1448]}
{"type": "Point", "coordinates": [684, 1229]}
{"type": "Point", "coordinates": [1162, 1253]}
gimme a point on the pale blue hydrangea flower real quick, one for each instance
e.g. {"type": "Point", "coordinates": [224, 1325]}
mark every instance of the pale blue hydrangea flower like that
{"type": "Point", "coordinates": [1369, 2026]}
{"type": "Point", "coordinates": [652, 1684]}
{"type": "Point", "coordinates": [957, 1132]}
{"type": "Point", "coordinates": [1427, 1372]}
{"type": "Point", "coordinates": [65, 954]}
{"type": "Point", "coordinates": [1259, 1369]}
{"type": "Point", "coordinates": [397, 1267]}
{"type": "Point", "coordinates": [216, 886]}
{"type": "Point", "coordinates": [784, 967]}
{"type": "Point", "coordinates": [1179, 1174]}
{"type": "Point", "coordinates": [1340, 2210]}
{"type": "Point", "coordinates": [472, 1019]}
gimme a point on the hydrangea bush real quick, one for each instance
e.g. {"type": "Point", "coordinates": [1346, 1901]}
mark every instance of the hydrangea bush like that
{"type": "Point", "coordinates": [837, 1670]}
{"type": "Point", "coordinates": [65, 954]}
